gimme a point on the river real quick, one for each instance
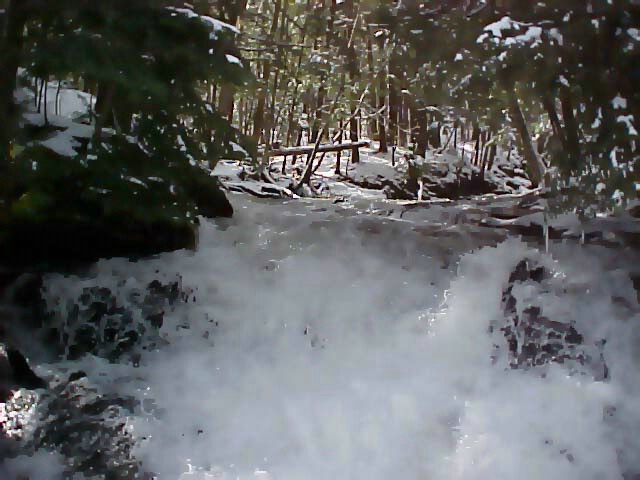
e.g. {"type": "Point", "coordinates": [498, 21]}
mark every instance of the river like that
{"type": "Point", "coordinates": [314, 340]}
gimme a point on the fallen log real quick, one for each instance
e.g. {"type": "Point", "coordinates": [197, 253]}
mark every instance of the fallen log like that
{"type": "Point", "coordinates": [307, 149]}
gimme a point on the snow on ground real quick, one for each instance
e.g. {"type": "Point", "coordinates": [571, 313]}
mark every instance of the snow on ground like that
{"type": "Point", "coordinates": [329, 342]}
{"type": "Point", "coordinates": [440, 173]}
{"type": "Point", "coordinates": [68, 112]}
{"type": "Point", "coordinates": [71, 103]}
{"type": "Point", "coordinates": [67, 131]}
{"type": "Point", "coordinates": [65, 139]}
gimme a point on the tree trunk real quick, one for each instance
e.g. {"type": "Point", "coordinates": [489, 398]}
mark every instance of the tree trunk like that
{"type": "Point", "coordinates": [103, 110]}
{"type": "Point", "coordinates": [57, 107]}
{"type": "Point", "coordinates": [423, 131]}
{"type": "Point", "coordinates": [339, 153]}
{"type": "Point", "coordinates": [354, 77]}
{"type": "Point", "coordinates": [434, 135]}
{"type": "Point", "coordinates": [485, 151]}
{"type": "Point", "coordinates": [226, 103]}
{"type": "Point", "coordinates": [476, 155]}
{"type": "Point", "coordinates": [492, 156]}
{"type": "Point", "coordinates": [40, 96]}
{"type": "Point", "coordinates": [11, 48]}
{"type": "Point", "coordinates": [529, 154]}
{"type": "Point", "coordinates": [549, 106]}
{"type": "Point", "coordinates": [373, 97]}
{"type": "Point", "coordinates": [393, 114]}
{"type": "Point", "coordinates": [317, 121]}
{"type": "Point", "coordinates": [122, 112]}
{"type": "Point", "coordinates": [571, 128]}
{"type": "Point", "coordinates": [258, 115]}
{"type": "Point", "coordinates": [403, 125]}
{"type": "Point", "coordinates": [384, 112]}
{"type": "Point", "coordinates": [259, 118]}
{"type": "Point", "coordinates": [46, 89]}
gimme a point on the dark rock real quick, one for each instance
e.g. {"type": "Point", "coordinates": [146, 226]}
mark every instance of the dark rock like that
{"type": "Point", "coordinates": [462, 187]}
{"type": "Point", "coordinates": [170, 291]}
{"type": "Point", "coordinates": [77, 376]}
{"type": "Point", "coordinates": [537, 274]}
{"type": "Point", "coordinates": [438, 184]}
{"type": "Point", "coordinates": [533, 230]}
{"type": "Point", "coordinates": [635, 281]}
{"type": "Point", "coordinates": [111, 324]}
{"type": "Point", "coordinates": [15, 373]}
{"type": "Point", "coordinates": [156, 319]}
{"type": "Point", "coordinates": [635, 211]}
{"type": "Point", "coordinates": [209, 197]}
{"type": "Point", "coordinates": [394, 189]}
{"type": "Point", "coordinates": [84, 341]}
{"type": "Point", "coordinates": [78, 410]}
{"type": "Point", "coordinates": [57, 221]}
{"type": "Point", "coordinates": [523, 272]}
{"type": "Point", "coordinates": [7, 277]}
{"type": "Point", "coordinates": [23, 375]}
{"type": "Point", "coordinates": [65, 243]}
{"type": "Point", "coordinates": [25, 290]}
{"type": "Point", "coordinates": [520, 273]}
{"type": "Point", "coordinates": [533, 340]}
{"type": "Point", "coordinates": [573, 336]}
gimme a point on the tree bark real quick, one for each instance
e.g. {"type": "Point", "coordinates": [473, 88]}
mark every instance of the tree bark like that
{"type": "Point", "coordinates": [354, 77]}
{"type": "Point", "coordinates": [572, 143]}
{"type": "Point", "coordinates": [11, 48]}
{"type": "Point", "coordinates": [307, 149]}
{"type": "Point", "coordinates": [227, 92]}
{"type": "Point", "coordinates": [259, 118]}
{"type": "Point", "coordinates": [383, 109]}
{"type": "Point", "coordinates": [103, 110]}
{"type": "Point", "coordinates": [393, 114]}
{"type": "Point", "coordinates": [533, 163]}
{"type": "Point", "coordinates": [423, 131]}
{"type": "Point", "coordinates": [57, 107]}
{"type": "Point", "coordinates": [339, 153]}
{"type": "Point", "coordinates": [549, 106]}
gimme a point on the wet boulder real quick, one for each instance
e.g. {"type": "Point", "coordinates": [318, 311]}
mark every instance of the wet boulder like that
{"type": "Point", "coordinates": [531, 339]}
{"type": "Point", "coordinates": [15, 373]}
{"type": "Point", "coordinates": [74, 418]}
{"type": "Point", "coordinates": [113, 322]}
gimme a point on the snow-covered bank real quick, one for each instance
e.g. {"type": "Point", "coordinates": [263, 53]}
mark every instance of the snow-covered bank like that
{"type": "Point", "coordinates": [444, 174]}
{"type": "Point", "coordinates": [319, 341]}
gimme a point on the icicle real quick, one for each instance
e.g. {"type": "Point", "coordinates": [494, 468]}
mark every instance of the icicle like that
{"type": "Point", "coordinates": [582, 237]}
{"type": "Point", "coordinates": [420, 189]}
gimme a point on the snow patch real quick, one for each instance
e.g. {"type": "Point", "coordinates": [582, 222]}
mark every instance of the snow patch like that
{"type": "Point", "coordinates": [628, 121]}
{"type": "Point", "coordinates": [634, 33]}
{"type": "Point", "coordinates": [505, 23]}
{"type": "Point", "coordinates": [214, 25]}
{"type": "Point", "coordinates": [233, 59]}
{"type": "Point", "coordinates": [619, 103]}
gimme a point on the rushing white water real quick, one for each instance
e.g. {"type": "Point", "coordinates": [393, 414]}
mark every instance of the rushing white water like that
{"type": "Point", "coordinates": [323, 345]}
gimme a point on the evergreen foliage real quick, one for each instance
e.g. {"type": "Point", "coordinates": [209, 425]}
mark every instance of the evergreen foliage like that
{"type": "Point", "coordinates": [571, 66]}
{"type": "Point", "coordinates": [156, 137]}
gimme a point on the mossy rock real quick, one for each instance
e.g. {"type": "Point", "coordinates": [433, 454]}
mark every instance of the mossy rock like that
{"type": "Point", "coordinates": [59, 211]}
{"type": "Point", "coordinates": [61, 243]}
{"type": "Point", "coordinates": [207, 193]}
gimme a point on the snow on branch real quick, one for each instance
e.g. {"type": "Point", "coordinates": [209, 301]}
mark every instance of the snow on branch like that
{"type": "Point", "coordinates": [215, 25]}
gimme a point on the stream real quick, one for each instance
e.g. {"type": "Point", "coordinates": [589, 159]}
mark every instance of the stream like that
{"type": "Point", "coordinates": [366, 339]}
